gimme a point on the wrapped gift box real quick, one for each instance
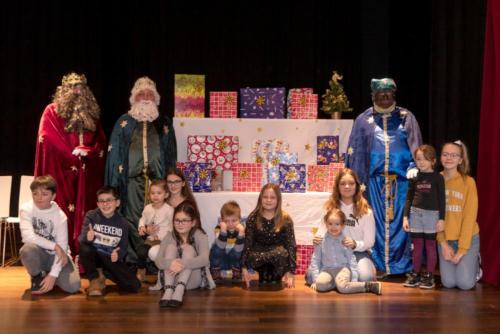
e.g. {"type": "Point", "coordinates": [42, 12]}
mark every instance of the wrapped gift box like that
{"type": "Point", "coordinates": [180, 165]}
{"type": "Point", "coordinates": [304, 106]}
{"type": "Point", "coordinates": [247, 176]}
{"type": "Point", "coordinates": [189, 95]}
{"type": "Point", "coordinates": [273, 165]}
{"type": "Point", "coordinates": [321, 177]}
{"type": "Point", "coordinates": [223, 104]}
{"type": "Point", "coordinates": [289, 98]}
{"type": "Point", "coordinates": [217, 150]}
{"type": "Point", "coordinates": [262, 103]}
{"type": "Point", "coordinates": [262, 149]}
{"type": "Point", "coordinates": [293, 178]}
{"type": "Point", "coordinates": [199, 176]}
{"type": "Point", "coordinates": [304, 255]}
{"type": "Point", "coordinates": [327, 149]}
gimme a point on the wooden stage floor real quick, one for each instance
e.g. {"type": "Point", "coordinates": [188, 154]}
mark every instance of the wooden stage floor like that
{"type": "Point", "coordinates": [231, 309]}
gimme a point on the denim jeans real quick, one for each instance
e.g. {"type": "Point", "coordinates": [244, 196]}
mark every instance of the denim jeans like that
{"type": "Point", "coordinates": [464, 274]}
{"type": "Point", "coordinates": [423, 221]}
{"type": "Point", "coordinates": [219, 258]}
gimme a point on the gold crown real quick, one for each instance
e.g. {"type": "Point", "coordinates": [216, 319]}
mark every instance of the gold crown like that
{"type": "Point", "coordinates": [74, 79]}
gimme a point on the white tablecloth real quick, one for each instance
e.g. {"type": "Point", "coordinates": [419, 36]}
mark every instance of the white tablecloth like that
{"type": "Point", "coordinates": [305, 209]}
{"type": "Point", "coordinates": [300, 133]}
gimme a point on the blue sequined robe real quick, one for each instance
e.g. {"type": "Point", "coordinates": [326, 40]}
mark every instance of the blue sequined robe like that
{"type": "Point", "coordinates": [380, 151]}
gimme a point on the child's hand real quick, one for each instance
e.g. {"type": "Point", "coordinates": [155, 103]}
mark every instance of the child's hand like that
{"type": "Point", "coordinates": [317, 240]}
{"type": "Point", "coordinates": [223, 227]}
{"type": "Point", "coordinates": [456, 259]}
{"type": "Point", "coordinates": [176, 266]}
{"type": "Point", "coordinates": [246, 277]}
{"type": "Point", "coordinates": [447, 251]}
{"type": "Point", "coordinates": [90, 233]}
{"type": "Point", "coordinates": [46, 285]}
{"type": "Point", "coordinates": [142, 231]}
{"type": "Point", "coordinates": [241, 230]}
{"type": "Point", "coordinates": [61, 256]}
{"type": "Point", "coordinates": [348, 242]}
{"type": "Point", "coordinates": [406, 225]}
{"type": "Point", "coordinates": [289, 280]}
{"type": "Point", "coordinates": [152, 229]}
{"type": "Point", "coordinates": [440, 225]}
{"type": "Point", "coordinates": [114, 254]}
{"type": "Point", "coordinates": [313, 286]}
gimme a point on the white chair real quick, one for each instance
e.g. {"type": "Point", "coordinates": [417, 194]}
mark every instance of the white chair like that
{"type": "Point", "coordinates": [5, 192]}
{"type": "Point", "coordinates": [11, 222]}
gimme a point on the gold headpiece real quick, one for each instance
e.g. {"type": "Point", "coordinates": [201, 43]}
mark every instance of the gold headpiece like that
{"type": "Point", "coordinates": [74, 79]}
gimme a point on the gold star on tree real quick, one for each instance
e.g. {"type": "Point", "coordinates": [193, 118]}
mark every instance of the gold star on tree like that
{"type": "Point", "coordinates": [124, 123]}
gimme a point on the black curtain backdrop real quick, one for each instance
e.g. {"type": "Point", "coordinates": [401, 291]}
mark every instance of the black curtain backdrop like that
{"type": "Point", "coordinates": [433, 49]}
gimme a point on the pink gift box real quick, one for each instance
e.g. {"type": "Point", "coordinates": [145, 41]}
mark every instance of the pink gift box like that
{"type": "Point", "coordinates": [219, 151]}
{"type": "Point", "coordinates": [223, 104]}
{"type": "Point", "coordinates": [304, 255]}
{"type": "Point", "coordinates": [321, 177]}
{"type": "Point", "coordinates": [247, 176]}
{"type": "Point", "coordinates": [304, 106]}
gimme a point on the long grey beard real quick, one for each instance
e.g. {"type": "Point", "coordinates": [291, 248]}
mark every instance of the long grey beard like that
{"type": "Point", "coordinates": [144, 111]}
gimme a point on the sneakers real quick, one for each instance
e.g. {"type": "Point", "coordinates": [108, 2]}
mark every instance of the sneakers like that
{"type": "Point", "coordinates": [427, 281]}
{"type": "Point", "coordinates": [412, 280]}
{"type": "Point", "coordinates": [236, 274]}
{"type": "Point", "coordinates": [95, 288]}
{"type": "Point", "coordinates": [374, 287]}
{"type": "Point", "coordinates": [36, 282]}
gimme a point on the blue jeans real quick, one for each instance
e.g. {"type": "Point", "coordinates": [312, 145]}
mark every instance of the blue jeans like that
{"type": "Point", "coordinates": [219, 258]}
{"type": "Point", "coordinates": [464, 274]}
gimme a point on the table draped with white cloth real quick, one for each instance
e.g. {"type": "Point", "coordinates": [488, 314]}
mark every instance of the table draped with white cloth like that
{"type": "Point", "coordinates": [301, 134]}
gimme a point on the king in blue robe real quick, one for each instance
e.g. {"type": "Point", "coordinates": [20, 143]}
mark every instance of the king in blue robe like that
{"type": "Point", "coordinates": [380, 151]}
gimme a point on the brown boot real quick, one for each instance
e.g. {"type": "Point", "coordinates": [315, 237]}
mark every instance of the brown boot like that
{"type": "Point", "coordinates": [101, 279]}
{"type": "Point", "coordinates": [95, 288]}
{"type": "Point", "coordinates": [141, 274]}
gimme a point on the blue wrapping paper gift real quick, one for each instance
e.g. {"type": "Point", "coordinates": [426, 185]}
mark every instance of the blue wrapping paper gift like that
{"type": "Point", "coordinates": [293, 178]}
{"type": "Point", "coordinates": [199, 176]}
{"type": "Point", "coordinates": [273, 165]}
{"type": "Point", "coordinates": [327, 150]}
{"type": "Point", "coordinates": [262, 103]}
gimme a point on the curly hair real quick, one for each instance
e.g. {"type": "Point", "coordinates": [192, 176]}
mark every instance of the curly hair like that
{"type": "Point", "coordinates": [79, 109]}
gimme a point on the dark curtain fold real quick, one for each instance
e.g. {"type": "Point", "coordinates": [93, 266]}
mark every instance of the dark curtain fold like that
{"type": "Point", "coordinates": [488, 177]}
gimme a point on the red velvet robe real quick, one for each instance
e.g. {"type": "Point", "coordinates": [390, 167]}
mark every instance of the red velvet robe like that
{"type": "Point", "coordinates": [78, 178]}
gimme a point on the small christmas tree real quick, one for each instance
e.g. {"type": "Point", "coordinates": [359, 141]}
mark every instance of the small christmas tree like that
{"type": "Point", "coordinates": [334, 99]}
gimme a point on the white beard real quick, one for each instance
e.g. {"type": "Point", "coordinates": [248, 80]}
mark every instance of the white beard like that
{"type": "Point", "coordinates": [144, 111]}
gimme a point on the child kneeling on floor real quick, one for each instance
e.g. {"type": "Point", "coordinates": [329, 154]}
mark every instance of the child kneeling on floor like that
{"type": "Point", "coordinates": [333, 265]}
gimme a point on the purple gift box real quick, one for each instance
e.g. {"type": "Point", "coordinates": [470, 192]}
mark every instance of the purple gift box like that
{"type": "Point", "coordinates": [293, 178]}
{"type": "Point", "coordinates": [327, 150]}
{"type": "Point", "coordinates": [199, 176]}
{"type": "Point", "coordinates": [262, 103]}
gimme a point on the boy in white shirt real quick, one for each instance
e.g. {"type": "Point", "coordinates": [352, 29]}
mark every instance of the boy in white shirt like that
{"type": "Point", "coordinates": [44, 230]}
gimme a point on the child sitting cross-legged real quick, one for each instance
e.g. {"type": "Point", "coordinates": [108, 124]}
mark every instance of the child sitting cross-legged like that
{"type": "Point", "coordinates": [334, 265]}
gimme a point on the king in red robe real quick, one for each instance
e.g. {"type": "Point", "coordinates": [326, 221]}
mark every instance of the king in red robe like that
{"type": "Point", "coordinates": [70, 147]}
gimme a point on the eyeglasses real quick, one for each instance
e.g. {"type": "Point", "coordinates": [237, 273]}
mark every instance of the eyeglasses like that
{"type": "Point", "coordinates": [450, 155]}
{"type": "Point", "coordinates": [108, 200]}
{"type": "Point", "coordinates": [182, 221]}
{"type": "Point", "coordinates": [347, 184]}
{"type": "Point", "coordinates": [174, 182]}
